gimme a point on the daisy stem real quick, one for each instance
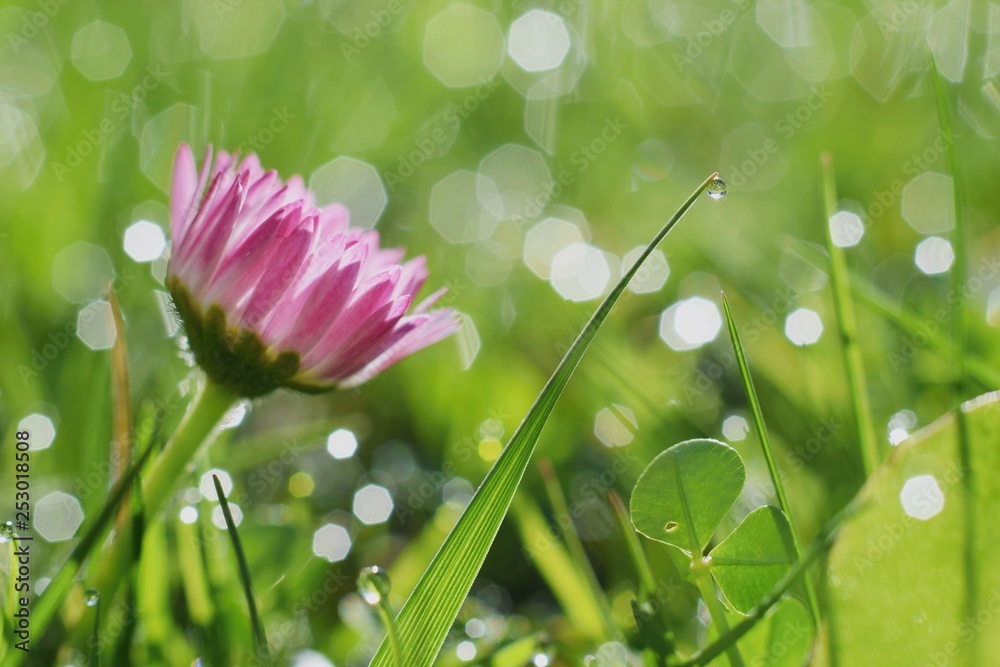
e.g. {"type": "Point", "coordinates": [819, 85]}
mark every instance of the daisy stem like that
{"type": "Point", "coordinates": [207, 409]}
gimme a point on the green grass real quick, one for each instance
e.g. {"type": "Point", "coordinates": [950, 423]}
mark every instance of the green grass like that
{"type": "Point", "coordinates": [650, 102]}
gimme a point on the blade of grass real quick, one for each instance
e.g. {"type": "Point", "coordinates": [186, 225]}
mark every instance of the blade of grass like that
{"type": "Point", "coordinates": [48, 603]}
{"type": "Point", "coordinates": [431, 608]}
{"type": "Point", "coordinates": [853, 362]}
{"type": "Point", "coordinates": [765, 445]}
{"type": "Point", "coordinates": [959, 335]}
{"type": "Point", "coordinates": [121, 404]}
{"type": "Point", "coordinates": [984, 371]}
{"type": "Point", "coordinates": [575, 544]}
{"type": "Point", "coordinates": [558, 569]}
{"type": "Point", "coordinates": [255, 623]}
{"type": "Point", "coordinates": [647, 584]}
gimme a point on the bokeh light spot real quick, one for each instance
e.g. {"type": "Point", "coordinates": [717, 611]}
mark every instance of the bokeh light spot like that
{"type": "Point", "coordinates": [803, 326]}
{"type": "Point", "coordinates": [538, 41]}
{"type": "Point", "coordinates": [934, 255]}
{"type": "Point", "coordinates": [922, 497]}
{"type": "Point", "coordinates": [58, 516]}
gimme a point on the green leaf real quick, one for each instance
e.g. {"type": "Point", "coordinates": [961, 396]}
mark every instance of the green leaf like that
{"type": "Point", "coordinates": [754, 557]}
{"type": "Point", "coordinates": [684, 493]}
{"type": "Point", "coordinates": [896, 593]}
{"type": "Point", "coordinates": [431, 608]}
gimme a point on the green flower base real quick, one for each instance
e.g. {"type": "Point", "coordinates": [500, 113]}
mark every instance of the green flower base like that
{"type": "Point", "coordinates": [236, 359]}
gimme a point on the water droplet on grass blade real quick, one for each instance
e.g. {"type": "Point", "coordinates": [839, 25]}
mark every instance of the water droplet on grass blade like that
{"type": "Point", "coordinates": [717, 188]}
{"type": "Point", "coordinates": [373, 584]}
{"type": "Point", "coordinates": [91, 597]}
{"type": "Point", "coordinates": [6, 532]}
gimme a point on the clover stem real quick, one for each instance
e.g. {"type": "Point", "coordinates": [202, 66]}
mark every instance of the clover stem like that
{"type": "Point", "coordinates": [703, 579]}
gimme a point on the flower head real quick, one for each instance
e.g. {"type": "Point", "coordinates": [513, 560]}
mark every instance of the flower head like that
{"type": "Point", "coordinates": [275, 291]}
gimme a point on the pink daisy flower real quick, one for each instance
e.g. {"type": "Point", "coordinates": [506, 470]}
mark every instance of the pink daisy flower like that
{"type": "Point", "coordinates": [275, 291]}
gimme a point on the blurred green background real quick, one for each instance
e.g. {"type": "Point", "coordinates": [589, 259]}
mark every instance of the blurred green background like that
{"type": "Point", "coordinates": [526, 148]}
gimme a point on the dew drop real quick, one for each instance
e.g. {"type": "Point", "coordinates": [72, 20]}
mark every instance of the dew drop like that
{"type": "Point", "coordinates": [373, 584]}
{"type": "Point", "coordinates": [6, 532]}
{"type": "Point", "coordinates": [91, 597]}
{"type": "Point", "coordinates": [717, 188]}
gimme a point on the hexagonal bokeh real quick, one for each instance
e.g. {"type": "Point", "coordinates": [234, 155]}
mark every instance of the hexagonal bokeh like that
{"type": "Point", "coordinates": [101, 51]}
{"type": "Point", "coordinates": [760, 65]}
{"type": "Point", "coordinates": [372, 504]}
{"type": "Point", "coordinates": [309, 658]}
{"type": "Point", "coordinates": [751, 159]}
{"type": "Point", "coordinates": [929, 203]}
{"type": "Point", "coordinates": [207, 485]}
{"type": "Point", "coordinates": [922, 497]}
{"type": "Point", "coordinates": [353, 183]}
{"type": "Point", "coordinates": [615, 426]}
{"type": "Point", "coordinates": [58, 516]}
{"type": "Point", "coordinates": [846, 229]}
{"type": "Point", "coordinates": [580, 272]}
{"type": "Point", "coordinates": [690, 323]}
{"type": "Point", "coordinates": [341, 444]}
{"type": "Point", "coordinates": [22, 152]}
{"type": "Point", "coordinates": [788, 22]}
{"type": "Point", "coordinates": [934, 255]}
{"type": "Point", "coordinates": [538, 41]}
{"type": "Point", "coordinates": [993, 308]}
{"type": "Point", "coordinates": [95, 326]}
{"type": "Point", "coordinates": [219, 517]}
{"type": "Point", "coordinates": [465, 207]}
{"type": "Point", "coordinates": [463, 45]}
{"type": "Point", "coordinates": [160, 137]}
{"type": "Point", "coordinates": [468, 340]}
{"type": "Point", "coordinates": [41, 431]}
{"type": "Point", "coordinates": [803, 326]}
{"type": "Point", "coordinates": [236, 29]}
{"type": "Point", "coordinates": [522, 179]}
{"type": "Point", "coordinates": [332, 542]}
{"type": "Point", "coordinates": [144, 241]}
{"type": "Point", "coordinates": [81, 272]}
{"type": "Point", "coordinates": [545, 240]}
{"type": "Point", "coordinates": [653, 273]}
{"type": "Point", "coordinates": [735, 428]}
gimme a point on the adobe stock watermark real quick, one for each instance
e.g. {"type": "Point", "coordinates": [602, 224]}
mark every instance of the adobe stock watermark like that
{"type": "Point", "coordinates": [363, 35]}
{"type": "Point", "coordinates": [714, 28]}
{"type": "Point", "coordinates": [430, 483]}
{"type": "Point", "coordinates": [58, 340]}
{"type": "Point", "coordinates": [438, 134]}
{"type": "Point", "coordinates": [891, 533]}
{"type": "Point", "coordinates": [582, 157]}
{"type": "Point", "coordinates": [590, 494]}
{"type": "Point", "coordinates": [122, 106]}
{"type": "Point", "coordinates": [915, 165]}
{"type": "Point", "coordinates": [33, 22]}
{"type": "Point", "coordinates": [750, 163]}
{"type": "Point", "coordinates": [931, 326]}
{"type": "Point", "coordinates": [280, 119]}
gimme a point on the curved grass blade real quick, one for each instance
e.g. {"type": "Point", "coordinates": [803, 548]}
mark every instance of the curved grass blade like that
{"type": "Point", "coordinates": [853, 363]}
{"type": "Point", "coordinates": [431, 608]}
{"type": "Point", "coordinates": [260, 638]}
